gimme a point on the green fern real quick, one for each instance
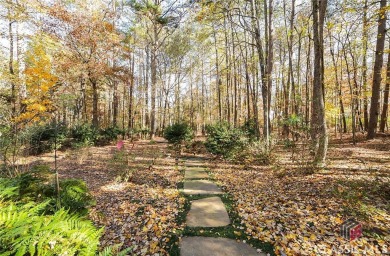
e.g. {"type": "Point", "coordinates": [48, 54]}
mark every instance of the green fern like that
{"type": "Point", "coordinates": [26, 228]}
{"type": "Point", "coordinates": [23, 230]}
{"type": "Point", "coordinates": [114, 250]}
{"type": "Point", "coordinates": [8, 189]}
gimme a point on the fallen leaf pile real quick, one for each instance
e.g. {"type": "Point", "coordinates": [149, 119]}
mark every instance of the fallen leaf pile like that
{"type": "Point", "coordinates": [138, 216]}
{"type": "Point", "coordinates": [139, 213]}
{"type": "Point", "coordinates": [301, 214]}
{"type": "Point", "coordinates": [298, 212]}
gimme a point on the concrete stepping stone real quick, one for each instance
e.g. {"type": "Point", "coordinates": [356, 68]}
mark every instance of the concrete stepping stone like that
{"type": "Point", "coordinates": [208, 212]}
{"type": "Point", "coordinates": [194, 164]}
{"type": "Point", "coordinates": [201, 187]}
{"type": "Point", "coordinates": [195, 168]}
{"type": "Point", "coordinates": [195, 173]}
{"type": "Point", "coordinates": [206, 246]}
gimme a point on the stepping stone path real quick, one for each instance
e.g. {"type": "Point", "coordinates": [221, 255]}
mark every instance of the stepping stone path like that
{"type": "Point", "coordinates": [208, 212]}
{"type": "Point", "coordinates": [195, 173]}
{"type": "Point", "coordinates": [194, 164]}
{"type": "Point", "coordinates": [201, 187]}
{"type": "Point", "coordinates": [212, 246]}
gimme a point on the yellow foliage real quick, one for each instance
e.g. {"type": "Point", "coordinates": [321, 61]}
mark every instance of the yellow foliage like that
{"type": "Point", "coordinates": [40, 82]}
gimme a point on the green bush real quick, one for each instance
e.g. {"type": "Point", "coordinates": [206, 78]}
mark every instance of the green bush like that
{"type": "Point", "coordinates": [178, 133]}
{"type": "Point", "coordinates": [250, 129]}
{"type": "Point", "coordinates": [107, 135]}
{"type": "Point", "coordinates": [84, 134]}
{"type": "Point", "coordinates": [87, 135]}
{"type": "Point", "coordinates": [42, 138]}
{"type": "Point", "coordinates": [254, 153]}
{"type": "Point", "coordinates": [38, 185]}
{"type": "Point", "coordinates": [224, 140]}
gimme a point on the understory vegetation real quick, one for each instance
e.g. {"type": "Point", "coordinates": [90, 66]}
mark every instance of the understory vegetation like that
{"type": "Point", "coordinates": [44, 138]}
{"type": "Point", "coordinates": [285, 102]}
{"type": "Point", "coordinates": [35, 219]}
{"type": "Point", "coordinates": [241, 145]}
{"type": "Point", "coordinates": [179, 134]}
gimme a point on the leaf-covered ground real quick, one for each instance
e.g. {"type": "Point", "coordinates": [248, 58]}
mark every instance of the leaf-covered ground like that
{"type": "Point", "coordinates": [135, 190]}
{"type": "Point", "coordinates": [300, 210]}
{"type": "Point", "coordinates": [287, 204]}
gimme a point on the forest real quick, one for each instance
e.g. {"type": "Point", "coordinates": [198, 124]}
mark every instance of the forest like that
{"type": "Point", "coordinates": [194, 127]}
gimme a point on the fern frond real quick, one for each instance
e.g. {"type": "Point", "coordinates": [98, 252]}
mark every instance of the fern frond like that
{"type": "Point", "coordinates": [23, 229]}
{"type": "Point", "coordinates": [114, 251]}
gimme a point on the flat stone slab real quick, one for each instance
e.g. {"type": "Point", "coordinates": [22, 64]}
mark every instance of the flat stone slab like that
{"type": "Point", "coordinates": [194, 164]}
{"type": "Point", "coordinates": [208, 212]}
{"type": "Point", "coordinates": [195, 168]}
{"type": "Point", "coordinates": [195, 173]}
{"type": "Point", "coordinates": [206, 246]}
{"type": "Point", "coordinates": [201, 187]}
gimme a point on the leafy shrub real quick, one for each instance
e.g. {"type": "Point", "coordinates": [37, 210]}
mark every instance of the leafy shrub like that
{"type": "Point", "coordinates": [38, 185]}
{"type": "Point", "coordinates": [297, 128]}
{"type": "Point", "coordinates": [224, 140]}
{"type": "Point", "coordinates": [87, 135]}
{"type": "Point", "coordinates": [84, 134]}
{"type": "Point", "coordinates": [178, 133]}
{"type": "Point", "coordinates": [107, 135]}
{"type": "Point", "coordinates": [254, 153]}
{"type": "Point", "coordinates": [250, 129]}
{"type": "Point", "coordinates": [42, 138]}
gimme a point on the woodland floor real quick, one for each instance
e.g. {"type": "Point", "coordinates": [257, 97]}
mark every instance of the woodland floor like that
{"type": "Point", "coordinates": [296, 209]}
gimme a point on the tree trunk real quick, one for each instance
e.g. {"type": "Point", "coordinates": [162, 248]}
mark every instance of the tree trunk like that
{"type": "Point", "coordinates": [385, 97]}
{"type": "Point", "coordinates": [131, 92]}
{"type": "Point", "coordinates": [146, 80]}
{"type": "Point", "coordinates": [11, 68]}
{"type": "Point", "coordinates": [218, 78]}
{"type": "Point", "coordinates": [115, 104]}
{"type": "Point", "coordinates": [318, 123]}
{"type": "Point", "coordinates": [153, 70]}
{"type": "Point", "coordinates": [351, 89]}
{"type": "Point", "coordinates": [95, 101]}
{"type": "Point", "coordinates": [262, 64]}
{"type": "Point", "coordinates": [376, 81]}
{"type": "Point", "coordinates": [364, 65]}
{"type": "Point", "coordinates": [227, 63]}
{"type": "Point", "coordinates": [338, 86]}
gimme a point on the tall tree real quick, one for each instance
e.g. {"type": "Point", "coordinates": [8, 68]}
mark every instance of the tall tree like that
{"type": "Point", "coordinates": [88, 38]}
{"type": "Point", "coordinates": [319, 133]}
{"type": "Point", "coordinates": [376, 80]}
{"type": "Point", "coordinates": [385, 107]}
